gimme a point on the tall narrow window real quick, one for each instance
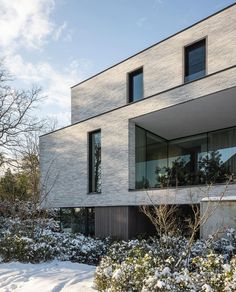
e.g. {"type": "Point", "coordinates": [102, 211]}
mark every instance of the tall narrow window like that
{"type": "Point", "coordinates": [195, 61]}
{"type": "Point", "coordinates": [136, 85]}
{"type": "Point", "coordinates": [95, 162]}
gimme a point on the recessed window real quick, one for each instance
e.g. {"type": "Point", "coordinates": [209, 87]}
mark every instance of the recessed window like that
{"type": "Point", "coordinates": [95, 162]}
{"type": "Point", "coordinates": [195, 160]}
{"type": "Point", "coordinates": [195, 61]}
{"type": "Point", "coordinates": [78, 220]}
{"type": "Point", "coordinates": [136, 85]}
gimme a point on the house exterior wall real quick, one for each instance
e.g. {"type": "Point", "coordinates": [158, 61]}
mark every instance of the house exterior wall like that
{"type": "Point", "coordinates": [101, 103]}
{"type": "Point", "coordinates": [64, 153]}
{"type": "Point", "coordinates": [162, 66]}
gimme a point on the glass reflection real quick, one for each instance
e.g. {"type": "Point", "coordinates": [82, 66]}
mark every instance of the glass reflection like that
{"type": "Point", "coordinates": [200, 159]}
{"type": "Point", "coordinates": [78, 220]}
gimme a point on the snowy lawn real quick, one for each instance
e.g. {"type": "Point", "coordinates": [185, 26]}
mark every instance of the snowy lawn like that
{"type": "Point", "coordinates": [53, 276]}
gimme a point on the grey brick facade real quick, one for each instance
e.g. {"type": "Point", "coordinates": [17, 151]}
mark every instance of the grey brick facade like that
{"type": "Point", "coordinates": [101, 103]}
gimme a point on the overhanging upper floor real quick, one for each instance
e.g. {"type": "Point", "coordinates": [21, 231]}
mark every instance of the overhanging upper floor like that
{"type": "Point", "coordinates": [163, 66]}
{"type": "Point", "coordinates": [205, 114]}
{"type": "Point", "coordinates": [64, 153]}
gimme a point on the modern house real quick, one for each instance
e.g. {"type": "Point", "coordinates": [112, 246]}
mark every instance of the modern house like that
{"type": "Point", "coordinates": [156, 128]}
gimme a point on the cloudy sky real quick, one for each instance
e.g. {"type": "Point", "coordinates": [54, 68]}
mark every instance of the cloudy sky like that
{"type": "Point", "coordinates": [57, 43]}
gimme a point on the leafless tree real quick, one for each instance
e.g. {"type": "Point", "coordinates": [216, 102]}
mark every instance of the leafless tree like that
{"type": "Point", "coordinates": [163, 217]}
{"type": "Point", "coordinates": [19, 133]}
{"type": "Point", "coordinates": [200, 218]}
{"type": "Point", "coordinates": [16, 116]}
{"type": "Point", "coordinates": [28, 162]}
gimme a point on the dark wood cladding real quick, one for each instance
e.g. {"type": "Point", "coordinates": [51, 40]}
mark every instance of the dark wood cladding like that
{"type": "Point", "coordinates": [139, 224]}
{"type": "Point", "coordinates": [111, 221]}
{"type": "Point", "coordinates": [121, 222]}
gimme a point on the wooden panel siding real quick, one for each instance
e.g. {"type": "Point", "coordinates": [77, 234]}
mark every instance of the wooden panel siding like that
{"type": "Point", "coordinates": [111, 221]}
{"type": "Point", "coordinates": [121, 222]}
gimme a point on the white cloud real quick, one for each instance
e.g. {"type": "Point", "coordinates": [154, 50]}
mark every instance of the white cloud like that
{"type": "Point", "coordinates": [58, 32]}
{"type": "Point", "coordinates": [60, 119]}
{"type": "Point", "coordinates": [68, 35]}
{"type": "Point", "coordinates": [157, 4]}
{"type": "Point", "coordinates": [25, 23]}
{"type": "Point", "coordinates": [56, 84]}
{"type": "Point", "coordinates": [141, 21]}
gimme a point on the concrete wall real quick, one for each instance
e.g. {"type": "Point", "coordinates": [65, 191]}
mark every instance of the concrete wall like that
{"type": "Point", "coordinates": [162, 66]}
{"type": "Point", "coordinates": [221, 213]}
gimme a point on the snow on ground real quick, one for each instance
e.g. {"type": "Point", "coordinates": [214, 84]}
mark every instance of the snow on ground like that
{"type": "Point", "coordinates": [54, 276]}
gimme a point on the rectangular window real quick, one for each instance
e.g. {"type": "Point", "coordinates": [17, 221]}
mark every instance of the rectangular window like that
{"type": "Point", "coordinates": [95, 162]}
{"type": "Point", "coordinates": [78, 220]}
{"type": "Point", "coordinates": [185, 156]}
{"type": "Point", "coordinates": [150, 159]}
{"type": "Point", "coordinates": [221, 155]}
{"type": "Point", "coordinates": [195, 160]}
{"type": "Point", "coordinates": [136, 85]}
{"type": "Point", "coordinates": [195, 61]}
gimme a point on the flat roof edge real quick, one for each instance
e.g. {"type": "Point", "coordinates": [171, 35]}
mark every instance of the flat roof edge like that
{"type": "Point", "coordinates": [155, 44]}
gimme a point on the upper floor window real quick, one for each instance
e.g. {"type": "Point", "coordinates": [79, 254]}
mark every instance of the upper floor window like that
{"type": "Point", "coordinates": [195, 61]}
{"type": "Point", "coordinates": [95, 162]}
{"type": "Point", "coordinates": [136, 85]}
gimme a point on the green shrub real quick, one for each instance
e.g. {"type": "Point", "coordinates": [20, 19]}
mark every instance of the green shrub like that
{"type": "Point", "coordinates": [19, 243]}
{"type": "Point", "coordinates": [23, 249]}
{"type": "Point", "coordinates": [151, 265]}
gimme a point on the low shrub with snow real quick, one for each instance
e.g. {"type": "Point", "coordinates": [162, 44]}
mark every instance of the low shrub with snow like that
{"type": "Point", "coordinates": [163, 265]}
{"type": "Point", "coordinates": [19, 242]}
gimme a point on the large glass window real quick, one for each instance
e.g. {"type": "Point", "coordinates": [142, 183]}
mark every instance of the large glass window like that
{"type": "Point", "coordinates": [156, 159]}
{"type": "Point", "coordinates": [151, 159]}
{"type": "Point", "coordinates": [136, 85]}
{"type": "Point", "coordinates": [95, 162]}
{"type": "Point", "coordinates": [78, 220]}
{"type": "Point", "coordinates": [195, 61]}
{"type": "Point", "coordinates": [222, 155]}
{"type": "Point", "coordinates": [184, 160]}
{"type": "Point", "coordinates": [200, 159]}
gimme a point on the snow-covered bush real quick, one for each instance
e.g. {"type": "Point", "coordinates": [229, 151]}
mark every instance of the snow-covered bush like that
{"type": "Point", "coordinates": [24, 249]}
{"type": "Point", "coordinates": [54, 245]}
{"type": "Point", "coordinates": [18, 242]}
{"type": "Point", "coordinates": [154, 265]}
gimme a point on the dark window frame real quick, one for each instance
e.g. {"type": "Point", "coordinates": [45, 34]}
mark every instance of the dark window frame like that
{"type": "Point", "coordinates": [130, 76]}
{"type": "Point", "coordinates": [185, 59]}
{"type": "Point", "coordinates": [87, 220]}
{"type": "Point", "coordinates": [90, 163]}
{"type": "Point", "coordinates": [208, 133]}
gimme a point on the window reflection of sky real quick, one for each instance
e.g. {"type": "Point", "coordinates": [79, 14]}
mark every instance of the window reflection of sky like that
{"type": "Point", "coordinates": [227, 153]}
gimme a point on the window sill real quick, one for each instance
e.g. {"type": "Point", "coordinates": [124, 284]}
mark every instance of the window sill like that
{"type": "Point", "coordinates": [94, 193]}
{"type": "Point", "coordinates": [194, 79]}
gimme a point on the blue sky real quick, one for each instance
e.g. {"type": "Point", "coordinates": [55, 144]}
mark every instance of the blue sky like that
{"type": "Point", "coordinates": [58, 43]}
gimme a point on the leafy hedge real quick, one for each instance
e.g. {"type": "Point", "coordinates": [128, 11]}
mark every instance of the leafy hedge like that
{"type": "Point", "coordinates": [155, 265]}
